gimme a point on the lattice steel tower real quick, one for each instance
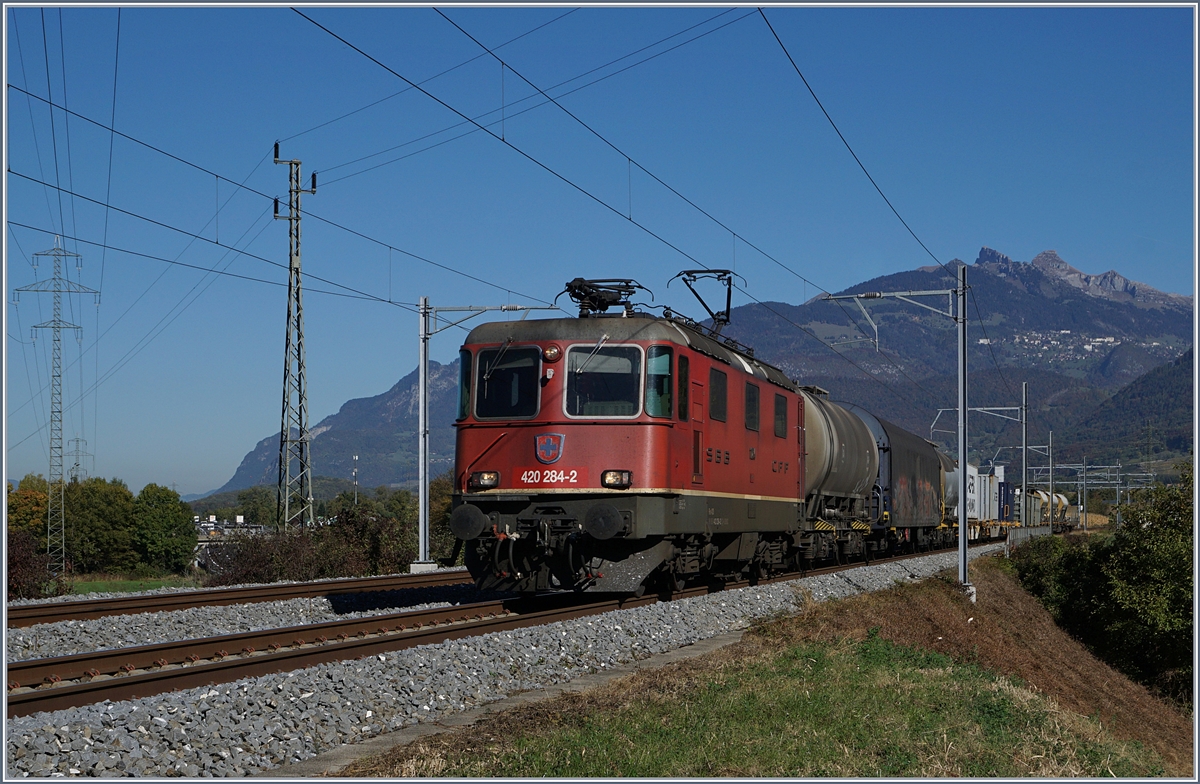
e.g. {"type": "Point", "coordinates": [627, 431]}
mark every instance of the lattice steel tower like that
{"type": "Point", "coordinates": [295, 473]}
{"type": "Point", "coordinates": [56, 527]}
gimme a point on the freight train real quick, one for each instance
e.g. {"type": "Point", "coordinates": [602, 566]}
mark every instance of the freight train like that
{"type": "Point", "coordinates": [622, 451]}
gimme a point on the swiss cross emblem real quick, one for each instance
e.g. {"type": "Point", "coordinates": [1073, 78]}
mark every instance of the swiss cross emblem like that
{"type": "Point", "coordinates": [549, 447]}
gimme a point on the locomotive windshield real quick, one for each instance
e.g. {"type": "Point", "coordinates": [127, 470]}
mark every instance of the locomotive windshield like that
{"type": "Point", "coordinates": [507, 383]}
{"type": "Point", "coordinates": [603, 381]}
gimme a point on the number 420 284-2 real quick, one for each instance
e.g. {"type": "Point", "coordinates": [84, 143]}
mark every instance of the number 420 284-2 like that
{"type": "Point", "coordinates": [550, 476]}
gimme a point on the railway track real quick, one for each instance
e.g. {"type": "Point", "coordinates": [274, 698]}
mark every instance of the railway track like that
{"type": "Point", "coordinates": [86, 609]}
{"type": "Point", "coordinates": [128, 673]}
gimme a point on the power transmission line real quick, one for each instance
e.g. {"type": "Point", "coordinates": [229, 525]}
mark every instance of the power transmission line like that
{"type": "Point", "coordinates": [313, 215]}
{"type": "Point", "coordinates": [201, 238]}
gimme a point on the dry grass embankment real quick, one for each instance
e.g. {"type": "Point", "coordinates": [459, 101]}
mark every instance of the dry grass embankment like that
{"type": "Point", "coordinates": [901, 682]}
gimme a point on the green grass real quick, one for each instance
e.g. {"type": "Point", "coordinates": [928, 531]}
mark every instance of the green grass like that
{"type": "Point", "coordinates": [123, 585]}
{"type": "Point", "coordinates": [821, 710]}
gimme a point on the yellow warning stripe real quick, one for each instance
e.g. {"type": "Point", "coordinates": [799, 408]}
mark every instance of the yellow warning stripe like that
{"type": "Point", "coordinates": [859, 525]}
{"type": "Point", "coordinates": [821, 525]}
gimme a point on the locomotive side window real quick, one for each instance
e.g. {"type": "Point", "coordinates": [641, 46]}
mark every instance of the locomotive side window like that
{"type": "Point", "coordinates": [507, 387]}
{"type": "Point", "coordinates": [658, 382]}
{"type": "Point", "coordinates": [684, 382]}
{"type": "Point", "coordinates": [464, 384]}
{"type": "Point", "coordinates": [781, 408]}
{"type": "Point", "coordinates": [716, 394]}
{"type": "Point", "coordinates": [604, 381]}
{"type": "Point", "coordinates": [751, 407]}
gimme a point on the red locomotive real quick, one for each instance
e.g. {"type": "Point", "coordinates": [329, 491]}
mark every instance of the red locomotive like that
{"type": "Point", "coordinates": [616, 451]}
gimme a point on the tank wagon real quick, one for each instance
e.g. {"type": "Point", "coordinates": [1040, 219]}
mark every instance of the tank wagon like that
{"type": "Point", "coordinates": [623, 450]}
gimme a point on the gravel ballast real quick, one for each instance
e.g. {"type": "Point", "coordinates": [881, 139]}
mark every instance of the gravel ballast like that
{"type": "Point", "coordinates": [257, 724]}
{"type": "Point", "coordinates": [125, 631]}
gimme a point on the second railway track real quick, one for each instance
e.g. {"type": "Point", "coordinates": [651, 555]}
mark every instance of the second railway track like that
{"type": "Point", "coordinates": [22, 615]}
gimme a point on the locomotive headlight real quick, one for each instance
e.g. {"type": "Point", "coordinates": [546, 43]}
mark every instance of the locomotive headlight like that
{"type": "Point", "coordinates": [617, 479]}
{"type": "Point", "coordinates": [482, 480]}
{"type": "Point", "coordinates": [551, 353]}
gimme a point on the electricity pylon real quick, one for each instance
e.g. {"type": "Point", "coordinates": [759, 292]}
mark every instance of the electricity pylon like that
{"type": "Point", "coordinates": [56, 522]}
{"type": "Point", "coordinates": [295, 472]}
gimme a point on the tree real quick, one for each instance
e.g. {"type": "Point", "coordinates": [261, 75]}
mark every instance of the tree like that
{"type": "Point", "coordinates": [163, 534]}
{"type": "Point", "coordinates": [35, 482]}
{"type": "Point", "coordinates": [100, 523]}
{"type": "Point", "coordinates": [1150, 580]}
{"type": "Point", "coordinates": [1127, 596]}
{"type": "Point", "coordinates": [27, 508]}
{"type": "Point", "coordinates": [259, 505]}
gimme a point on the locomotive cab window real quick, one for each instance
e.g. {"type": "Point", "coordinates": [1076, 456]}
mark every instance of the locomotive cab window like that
{"type": "Point", "coordinates": [717, 383]}
{"type": "Point", "coordinates": [751, 407]}
{"type": "Point", "coordinates": [507, 386]}
{"type": "Point", "coordinates": [604, 381]}
{"type": "Point", "coordinates": [658, 382]}
{"type": "Point", "coordinates": [464, 384]}
{"type": "Point", "coordinates": [781, 408]}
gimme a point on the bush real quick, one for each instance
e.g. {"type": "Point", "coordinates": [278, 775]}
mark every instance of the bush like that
{"type": "Point", "coordinates": [358, 544]}
{"type": "Point", "coordinates": [29, 569]}
{"type": "Point", "coordinates": [378, 535]}
{"type": "Point", "coordinates": [1127, 596]}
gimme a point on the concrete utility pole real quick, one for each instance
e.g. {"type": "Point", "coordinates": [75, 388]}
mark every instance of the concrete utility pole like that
{"type": "Point", "coordinates": [427, 316]}
{"type": "Point", "coordinates": [1024, 452]}
{"type": "Point", "coordinates": [1050, 456]}
{"type": "Point", "coordinates": [56, 526]}
{"type": "Point", "coordinates": [956, 310]}
{"type": "Point", "coordinates": [295, 501]}
{"type": "Point", "coordinates": [1083, 496]}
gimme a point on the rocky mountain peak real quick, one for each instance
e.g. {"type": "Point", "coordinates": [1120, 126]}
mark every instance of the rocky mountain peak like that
{"type": "Point", "coordinates": [989, 256]}
{"type": "Point", "coordinates": [1110, 285]}
{"type": "Point", "coordinates": [1049, 260]}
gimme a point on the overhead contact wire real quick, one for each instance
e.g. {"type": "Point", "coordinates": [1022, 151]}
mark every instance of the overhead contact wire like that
{"type": "Point", "coordinates": [660, 181]}
{"type": "Point", "coordinates": [878, 190]}
{"type": "Point", "coordinates": [543, 103]}
{"type": "Point", "coordinates": [562, 178]}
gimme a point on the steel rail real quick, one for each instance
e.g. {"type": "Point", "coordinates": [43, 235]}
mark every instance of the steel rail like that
{"type": "Point", "coordinates": [87, 609]}
{"type": "Point", "coordinates": [297, 647]}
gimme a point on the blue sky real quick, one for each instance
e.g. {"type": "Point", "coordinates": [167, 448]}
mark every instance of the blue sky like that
{"type": "Point", "coordinates": [1023, 129]}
